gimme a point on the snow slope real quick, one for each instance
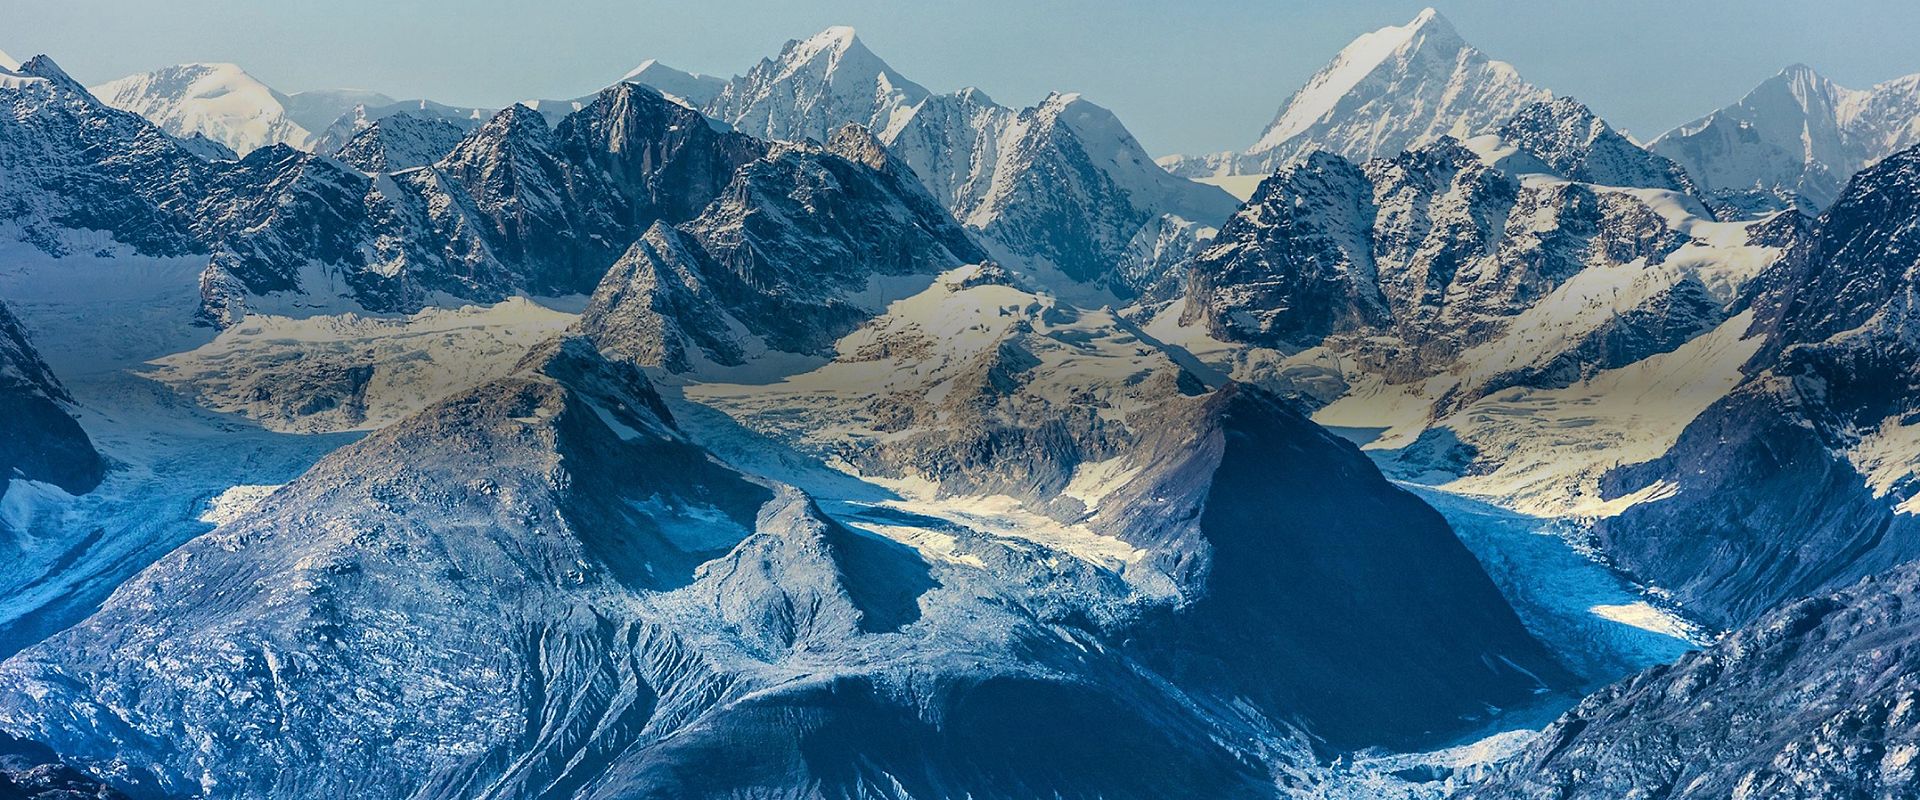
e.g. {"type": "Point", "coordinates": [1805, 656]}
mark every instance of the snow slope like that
{"type": "Point", "coordinates": [219, 101]}
{"type": "Point", "coordinates": [1796, 138]}
{"type": "Point", "coordinates": [1390, 90]}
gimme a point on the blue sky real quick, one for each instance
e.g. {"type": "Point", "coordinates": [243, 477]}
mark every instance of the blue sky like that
{"type": "Point", "coordinates": [1185, 76]}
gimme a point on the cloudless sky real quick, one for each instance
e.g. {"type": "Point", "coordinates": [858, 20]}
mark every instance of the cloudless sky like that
{"type": "Point", "coordinates": [1185, 75]}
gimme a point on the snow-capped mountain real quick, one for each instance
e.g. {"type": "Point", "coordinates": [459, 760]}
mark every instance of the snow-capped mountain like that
{"type": "Point", "coordinates": [219, 101]}
{"type": "Point", "coordinates": [1061, 187]}
{"type": "Point", "coordinates": [1389, 91]}
{"type": "Point", "coordinates": [1795, 139]}
{"type": "Point", "coordinates": [809, 434]}
{"type": "Point", "coordinates": [516, 206]}
{"type": "Point", "coordinates": [1484, 307]}
{"type": "Point", "coordinates": [813, 87]}
{"type": "Point", "coordinates": [986, 398]}
{"type": "Point", "coordinates": [73, 164]}
{"type": "Point", "coordinates": [225, 104]}
{"type": "Point", "coordinates": [1815, 699]}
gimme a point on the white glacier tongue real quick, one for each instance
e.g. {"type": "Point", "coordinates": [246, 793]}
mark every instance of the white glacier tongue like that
{"type": "Point", "coordinates": [8, 62]}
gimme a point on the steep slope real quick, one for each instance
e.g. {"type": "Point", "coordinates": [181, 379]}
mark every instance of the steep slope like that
{"type": "Point", "coordinates": [219, 101]}
{"type": "Point", "coordinates": [1478, 264]}
{"type": "Point", "coordinates": [1060, 187]}
{"type": "Point", "coordinates": [989, 405]}
{"type": "Point", "coordinates": [1066, 166]}
{"type": "Point", "coordinates": [1813, 700]}
{"type": "Point", "coordinates": [1814, 440]}
{"type": "Point", "coordinates": [1390, 90]}
{"type": "Point", "coordinates": [73, 164]}
{"type": "Point", "coordinates": [813, 87]}
{"type": "Point", "coordinates": [1795, 139]}
{"type": "Point", "coordinates": [552, 631]}
{"type": "Point", "coordinates": [41, 441]}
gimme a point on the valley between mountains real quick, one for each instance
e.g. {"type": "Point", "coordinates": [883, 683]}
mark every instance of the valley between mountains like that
{"type": "Point", "coordinates": [811, 433]}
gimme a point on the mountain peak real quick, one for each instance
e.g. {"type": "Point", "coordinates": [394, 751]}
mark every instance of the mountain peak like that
{"type": "Point", "coordinates": [1431, 19]}
{"type": "Point", "coordinates": [813, 87]}
{"type": "Point", "coordinates": [42, 66]}
{"type": "Point", "coordinates": [640, 70]}
{"type": "Point", "coordinates": [1371, 53]}
{"type": "Point", "coordinates": [835, 41]}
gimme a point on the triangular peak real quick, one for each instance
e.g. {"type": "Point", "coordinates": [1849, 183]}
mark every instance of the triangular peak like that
{"type": "Point", "coordinates": [1355, 62]}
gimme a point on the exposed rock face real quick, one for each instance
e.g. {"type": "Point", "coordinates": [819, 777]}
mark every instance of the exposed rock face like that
{"type": "Point", "coordinates": [1060, 187]}
{"type": "Point", "coordinates": [343, 126]}
{"type": "Point", "coordinates": [1391, 90]}
{"type": "Point", "coordinates": [72, 163]}
{"type": "Point", "coordinates": [516, 206]}
{"type": "Point", "coordinates": [1814, 440]}
{"type": "Point", "coordinates": [41, 441]}
{"type": "Point", "coordinates": [1423, 264]}
{"type": "Point", "coordinates": [1820, 698]}
{"type": "Point", "coordinates": [1574, 143]}
{"type": "Point", "coordinates": [30, 771]}
{"type": "Point", "coordinates": [1795, 139]}
{"type": "Point", "coordinates": [798, 250]}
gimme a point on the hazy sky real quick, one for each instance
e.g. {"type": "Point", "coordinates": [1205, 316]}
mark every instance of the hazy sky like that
{"type": "Point", "coordinates": [1185, 75]}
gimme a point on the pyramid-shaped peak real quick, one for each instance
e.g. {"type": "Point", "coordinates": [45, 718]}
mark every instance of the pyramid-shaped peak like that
{"type": "Point", "coordinates": [42, 67]}
{"type": "Point", "coordinates": [1429, 17]}
{"type": "Point", "coordinates": [1430, 26]}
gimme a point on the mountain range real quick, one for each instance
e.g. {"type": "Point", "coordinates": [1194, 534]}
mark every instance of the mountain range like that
{"type": "Point", "coordinates": [812, 434]}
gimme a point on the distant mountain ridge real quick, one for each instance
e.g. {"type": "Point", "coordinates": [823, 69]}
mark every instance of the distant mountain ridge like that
{"type": "Point", "coordinates": [1796, 138]}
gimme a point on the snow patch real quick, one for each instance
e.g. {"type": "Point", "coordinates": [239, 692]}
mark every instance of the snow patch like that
{"type": "Point", "coordinates": [236, 502]}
